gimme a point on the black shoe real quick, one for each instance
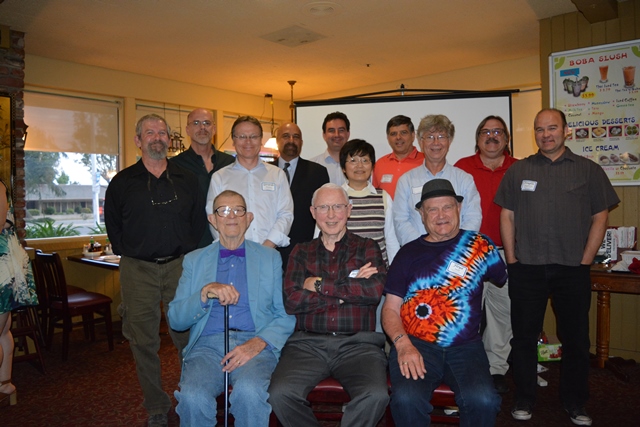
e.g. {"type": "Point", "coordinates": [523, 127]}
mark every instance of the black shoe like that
{"type": "Point", "coordinates": [500, 383]}
{"type": "Point", "coordinates": [579, 416]}
{"type": "Point", "coordinates": [158, 420]}
{"type": "Point", "coordinates": [521, 411]}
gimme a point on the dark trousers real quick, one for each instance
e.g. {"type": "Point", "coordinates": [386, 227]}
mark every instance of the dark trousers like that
{"type": "Point", "coordinates": [358, 362]}
{"type": "Point", "coordinates": [570, 289]}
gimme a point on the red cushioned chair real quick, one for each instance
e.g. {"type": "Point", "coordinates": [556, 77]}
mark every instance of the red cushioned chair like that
{"type": "Point", "coordinates": [328, 397]}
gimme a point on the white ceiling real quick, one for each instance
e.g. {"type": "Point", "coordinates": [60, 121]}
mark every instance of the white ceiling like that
{"type": "Point", "coordinates": [219, 43]}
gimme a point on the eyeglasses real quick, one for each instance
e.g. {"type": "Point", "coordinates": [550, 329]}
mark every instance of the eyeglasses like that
{"type": "Point", "coordinates": [355, 160]}
{"type": "Point", "coordinates": [205, 123]}
{"type": "Point", "coordinates": [431, 138]}
{"type": "Point", "coordinates": [337, 208]}
{"type": "Point", "coordinates": [225, 211]}
{"type": "Point", "coordinates": [166, 202]}
{"type": "Point", "coordinates": [253, 138]}
{"type": "Point", "coordinates": [489, 132]}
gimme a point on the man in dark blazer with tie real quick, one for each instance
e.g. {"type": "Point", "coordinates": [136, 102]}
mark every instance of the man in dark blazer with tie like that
{"type": "Point", "coordinates": [304, 177]}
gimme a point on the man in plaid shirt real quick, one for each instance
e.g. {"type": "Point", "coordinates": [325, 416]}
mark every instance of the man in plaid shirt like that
{"type": "Point", "coordinates": [333, 285]}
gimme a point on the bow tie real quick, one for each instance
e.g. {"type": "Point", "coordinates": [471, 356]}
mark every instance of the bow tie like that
{"type": "Point", "coordinates": [226, 253]}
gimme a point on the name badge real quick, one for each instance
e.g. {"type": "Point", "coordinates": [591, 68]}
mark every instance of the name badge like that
{"type": "Point", "coordinates": [528, 185]}
{"type": "Point", "coordinates": [268, 186]}
{"type": "Point", "coordinates": [353, 274]}
{"type": "Point", "coordinates": [416, 190]}
{"type": "Point", "coordinates": [387, 177]}
{"type": "Point", "coordinates": [456, 269]}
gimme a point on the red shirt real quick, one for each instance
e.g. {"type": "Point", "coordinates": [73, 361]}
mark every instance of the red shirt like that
{"type": "Point", "coordinates": [389, 169]}
{"type": "Point", "coordinates": [487, 182]}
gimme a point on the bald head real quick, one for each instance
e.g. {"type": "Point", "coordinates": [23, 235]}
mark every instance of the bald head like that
{"type": "Point", "coordinates": [200, 127]}
{"type": "Point", "coordinates": [289, 140]}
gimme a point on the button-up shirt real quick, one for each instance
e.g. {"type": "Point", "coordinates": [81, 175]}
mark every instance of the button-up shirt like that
{"type": "Point", "coordinates": [322, 312]}
{"type": "Point", "coordinates": [266, 191]}
{"type": "Point", "coordinates": [406, 217]}
{"type": "Point", "coordinates": [336, 175]}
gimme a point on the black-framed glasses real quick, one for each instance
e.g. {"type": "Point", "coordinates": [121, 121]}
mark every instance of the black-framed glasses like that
{"type": "Point", "coordinates": [337, 208]}
{"type": "Point", "coordinates": [205, 123]}
{"type": "Point", "coordinates": [491, 132]}
{"type": "Point", "coordinates": [225, 211]}
{"type": "Point", "coordinates": [165, 202]}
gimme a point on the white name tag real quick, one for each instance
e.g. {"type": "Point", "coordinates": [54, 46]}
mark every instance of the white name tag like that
{"type": "Point", "coordinates": [456, 269]}
{"type": "Point", "coordinates": [528, 185]}
{"type": "Point", "coordinates": [353, 274]}
{"type": "Point", "coordinates": [268, 186]}
{"type": "Point", "coordinates": [416, 190]}
{"type": "Point", "coordinates": [387, 177]}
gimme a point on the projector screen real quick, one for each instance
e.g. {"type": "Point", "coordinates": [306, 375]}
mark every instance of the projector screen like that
{"type": "Point", "coordinates": [369, 117]}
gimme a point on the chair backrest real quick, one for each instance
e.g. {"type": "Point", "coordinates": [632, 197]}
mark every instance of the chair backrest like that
{"type": "Point", "coordinates": [49, 267]}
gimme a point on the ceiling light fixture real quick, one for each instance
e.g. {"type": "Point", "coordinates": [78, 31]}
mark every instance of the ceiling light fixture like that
{"type": "Point", "coordinates": [292, 106]}
{"type": "Point", "coordinates": [271, 142]}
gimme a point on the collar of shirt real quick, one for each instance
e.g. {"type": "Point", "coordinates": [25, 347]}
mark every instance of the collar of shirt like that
{"type": "Point", "coordinates": [566, 155]}
{"type": "Point", "coordinates": [369, 189]}
{"type": "Point", "coordinates": [293, 163]}
{"type": "Point", "coordinates": [230, 255]}
{"type": "Point", "coordinates": [439, 173]}
{"type": "Point", "coordinates": [412, 155]}
{"type": "Point", "coordinates": [237, 165]}
{"type": "Point", "coordinates": [329, 159]}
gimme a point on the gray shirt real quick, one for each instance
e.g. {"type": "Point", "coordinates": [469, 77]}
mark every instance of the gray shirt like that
{"type": "Point", "coordinates": [553, 203]}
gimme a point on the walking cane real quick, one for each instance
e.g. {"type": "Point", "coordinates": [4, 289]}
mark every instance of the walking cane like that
{"type": "Point", "coordinates": [226, 373]}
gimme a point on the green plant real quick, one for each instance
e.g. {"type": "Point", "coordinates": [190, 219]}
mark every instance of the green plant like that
{"type": "Point", "coordinates": [98, 229]}
{"type": "Point", "coordinates": [69, 211]}
{"type": "Point", "coordinates": [49, 211]}
{"type": "Point", "coordinates": [49, 229]}
{"type": "Point", "coordinates": [77, 209]}
{"type": "Point", "coordinates": [34, 212]}
{"type": "Point", "coordinates": [86, 210]}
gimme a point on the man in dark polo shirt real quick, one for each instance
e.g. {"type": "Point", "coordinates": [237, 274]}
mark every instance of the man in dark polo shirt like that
{"type": "Point", "coordinates": [555, 207]}
{"type": "Point", "coordinates": [202, 158]}
{"type": "Point", "coordinates": [153, 217]}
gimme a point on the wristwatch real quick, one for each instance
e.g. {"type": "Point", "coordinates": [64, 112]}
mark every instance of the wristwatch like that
{"type": "Point", "coordinates": [318, 284]}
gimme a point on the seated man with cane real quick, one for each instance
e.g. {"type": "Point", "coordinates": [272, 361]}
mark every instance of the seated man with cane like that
{"type": "Point", "coordinates": [247, 277]}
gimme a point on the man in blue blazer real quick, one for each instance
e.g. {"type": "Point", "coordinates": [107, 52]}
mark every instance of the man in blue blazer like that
{"type": "Point", "coordinates": [247, 277]}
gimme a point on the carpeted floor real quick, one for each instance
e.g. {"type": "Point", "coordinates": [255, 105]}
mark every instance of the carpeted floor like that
{"type": "Point", "coordinates": [96, 387]}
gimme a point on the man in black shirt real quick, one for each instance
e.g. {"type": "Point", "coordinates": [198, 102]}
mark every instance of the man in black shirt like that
{"type": "Point", "coordinates": [153, 217]}
{"type": "Point", "coordinates": [202, 158]}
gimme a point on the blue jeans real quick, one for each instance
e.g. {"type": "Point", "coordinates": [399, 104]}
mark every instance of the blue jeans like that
{"type": "Point", "coordinates": [464, 368]}
{"type": "Point", "coordinates": [202, 381]}
{"type": "Point", "coordinates": [570, 290]}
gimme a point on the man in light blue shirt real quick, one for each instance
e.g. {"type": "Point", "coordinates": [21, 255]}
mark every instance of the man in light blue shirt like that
{"type": "Point", "coordinates": [264, 186]}
{"type": "Point", "coordinates": [247, 277]}
{"type": "Point", "coordinates": [435, 134]}
{"type": "Point", "coordinates": [336, 132]}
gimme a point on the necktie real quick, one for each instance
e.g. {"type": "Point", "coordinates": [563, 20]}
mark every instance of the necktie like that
{"type": "Point", "coordinates": [286, 171]}
{"type": "Point", "coordinates": [226, 253]}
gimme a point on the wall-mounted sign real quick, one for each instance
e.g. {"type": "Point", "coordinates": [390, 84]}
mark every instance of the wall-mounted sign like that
{"type": "Point", "coordinates": [598, 88]}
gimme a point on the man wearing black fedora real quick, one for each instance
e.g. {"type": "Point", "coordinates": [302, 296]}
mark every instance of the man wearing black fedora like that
{"type": "Point", "coordinates": [433, 310]}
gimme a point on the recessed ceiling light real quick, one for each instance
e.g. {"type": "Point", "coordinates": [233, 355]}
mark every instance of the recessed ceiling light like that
{"type": "Point", "coordinates": [322, 8]}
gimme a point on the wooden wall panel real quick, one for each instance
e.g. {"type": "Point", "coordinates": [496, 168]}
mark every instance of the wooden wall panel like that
{"type": "Point", "coordinates": [571, 31]}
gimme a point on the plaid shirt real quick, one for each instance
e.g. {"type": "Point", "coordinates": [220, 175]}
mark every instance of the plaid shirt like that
{"type": "Point", "coordinates": [322, 312]}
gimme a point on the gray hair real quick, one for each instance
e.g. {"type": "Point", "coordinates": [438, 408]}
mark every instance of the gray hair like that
{"type": "Point", "coordinates": [439, 122]}
{"type": "Point", "coordinates": [329, 186]}
{"type": "Point", "coordinates": [149, 117]}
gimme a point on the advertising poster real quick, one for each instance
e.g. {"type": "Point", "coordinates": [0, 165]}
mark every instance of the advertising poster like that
{"type": "Point", "coordinates": [598, 89]}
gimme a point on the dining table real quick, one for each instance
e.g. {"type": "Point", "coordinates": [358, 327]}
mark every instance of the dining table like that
{"type": "Point", "coordinates": [104, 261]}
{"type": "Point", "coordinates": [605, 281]}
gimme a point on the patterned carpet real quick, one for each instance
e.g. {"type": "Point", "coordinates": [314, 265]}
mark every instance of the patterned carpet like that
{"type": "Point", "coordinates": [96, 387]}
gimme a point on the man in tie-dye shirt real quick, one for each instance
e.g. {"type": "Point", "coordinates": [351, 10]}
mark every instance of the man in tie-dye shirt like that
{"type": "Point", "coordinates": [432, 314]}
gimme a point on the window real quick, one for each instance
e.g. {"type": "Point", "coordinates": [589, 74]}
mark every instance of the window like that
{"type": "Point", "coordinates": [71, 153]}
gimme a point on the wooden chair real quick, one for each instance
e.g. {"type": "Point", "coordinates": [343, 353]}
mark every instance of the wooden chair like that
{"type": "Point", "coordinates": [25, 325]}
{"type": "Point", "coordinates": [64, 304]}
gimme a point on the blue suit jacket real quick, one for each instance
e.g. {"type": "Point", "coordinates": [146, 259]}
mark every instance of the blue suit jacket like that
{"type": "Point", "coordinates": [264, 274]}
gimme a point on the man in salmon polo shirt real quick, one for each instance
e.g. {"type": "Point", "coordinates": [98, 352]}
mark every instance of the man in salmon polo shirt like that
{"type": "Point", "coordinates": [404, 156]}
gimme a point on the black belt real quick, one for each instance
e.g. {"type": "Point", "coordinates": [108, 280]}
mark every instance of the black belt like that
{"type": "Point", "coordinates": [165, 259]}
{"type": "Point", "coordinates": [334, 334]}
